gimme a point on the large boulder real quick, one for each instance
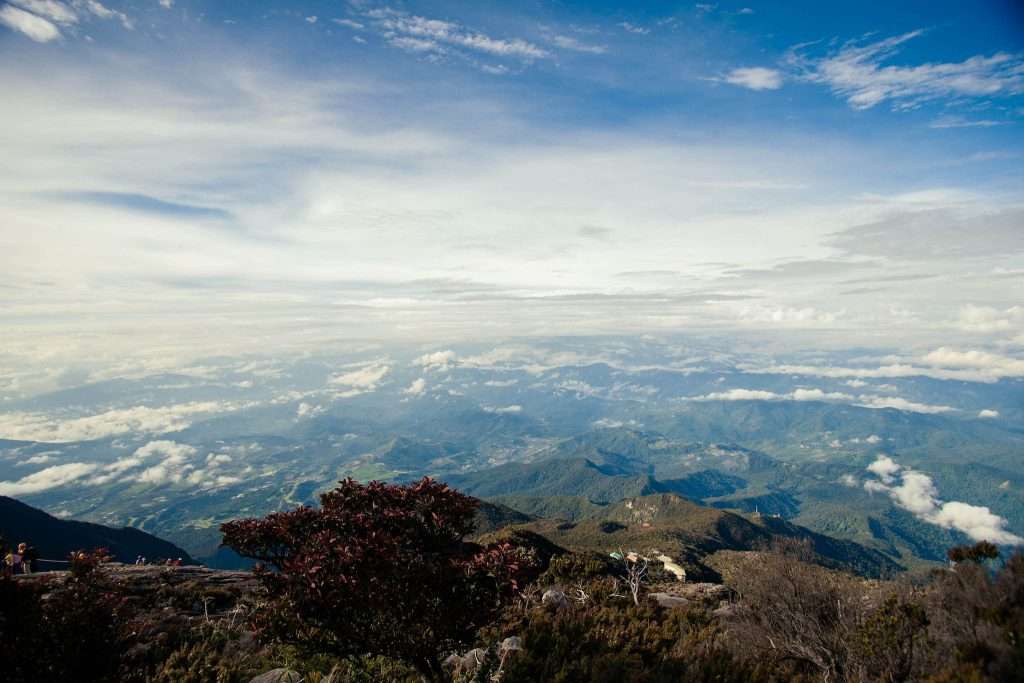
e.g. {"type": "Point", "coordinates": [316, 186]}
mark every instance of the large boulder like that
{"type": "Point", "coordinates": [554, 598]}
{"type": "Point", "coordinates": [473, 660]}
{"type": "Point", "coordinates": [278, 676]}
{"type": "Point", "coordinates": [510, 644]}
{"type": "Point", "coordinates": [668, 600]}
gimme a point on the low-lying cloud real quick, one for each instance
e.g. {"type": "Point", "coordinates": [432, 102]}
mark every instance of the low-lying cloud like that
{"type": "Point", "coordinates": [916, 492]}
{"type": "Point", "coordinates": [417, 387]}
{"type": "Point", "coordinates": [863, 400]}
{"type": "Point", "coordinates": [360, 381]}
{"type": "Point", "coordinates": [436, 361]}
{"type": "Point", "coordinates": [24, 426]}
{"type": "Point", "coordinates": [48, 478]}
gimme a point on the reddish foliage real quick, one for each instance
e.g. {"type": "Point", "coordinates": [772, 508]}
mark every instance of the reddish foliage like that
{"type": "Point", "coordinates": [379, 569]}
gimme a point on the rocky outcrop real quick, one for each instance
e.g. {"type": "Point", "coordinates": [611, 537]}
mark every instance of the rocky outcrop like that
{"type": "Point", "coordinates": [141, 580]}
{"type": "Point", "coordinates": [170, 598]}
{"type": "Point", "coordinates": [704, 594]}
{"type": "Point", "coordinates": [278, 676]}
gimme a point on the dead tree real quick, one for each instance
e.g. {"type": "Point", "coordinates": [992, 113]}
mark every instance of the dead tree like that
{"type": "Point", "coordinates": [634, 575]}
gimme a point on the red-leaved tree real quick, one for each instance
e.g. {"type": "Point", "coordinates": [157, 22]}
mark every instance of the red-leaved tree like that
{"type": "Point", "coordinates": [379, 569]}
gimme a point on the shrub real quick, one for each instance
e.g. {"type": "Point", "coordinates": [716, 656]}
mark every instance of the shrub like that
{"type": "Point", "coordinates": [63, 630]}
{"type": "Point", "coordinates": [606, 638]}
{"type": "Point", "coordinates": [379, 569]}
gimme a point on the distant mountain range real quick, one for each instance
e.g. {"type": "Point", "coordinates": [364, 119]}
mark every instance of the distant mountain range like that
{"type": "Point", "coordinates": [56, 538]}
{"type": "Point", "coordinates": [560, 439]}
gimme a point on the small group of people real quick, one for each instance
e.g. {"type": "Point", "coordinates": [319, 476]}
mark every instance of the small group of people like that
{"type": "Point", "coordinates": [141, 560]}
{"type": "Point", "coordinates": [23, 560]}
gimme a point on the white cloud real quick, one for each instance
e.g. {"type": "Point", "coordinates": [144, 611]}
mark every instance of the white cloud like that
{"type": "Point", "coordinates": [38, 459]}
{"type": "Point", "coordinates": [960, 122]}
{"type": "Point", "coordinates": [423, 34]}
{"type": "Point", "coordinates": [607, 423]}
{"type": "Point", "coordinates": [349, 23]}
{"type": "Point", "coordinates": [171, 451]}
{"type": "Point", "coordinates": [874, 439]}
{"type": "Point", "coordinates": [807, 316]}
{"type": "Point", "coordinates": [417, 387]}
{"type": "Point", "coordinates": [898, 403]}
{"type": "Point", "coordinates": [755, 78]}
{"type": "Point", "coordinates": [36, 28]}
{"type": "Point", "coordinates": [501, 382]}
{"type": "Point", "coordinates": [988, 319]}
{"type": "Point", "coordinates": [741, 395]}
{"type": "Point", "coordinates": [970, 366]}
{"type": "Point", "coordinates": [916, 492]}
{"type": "Point", "coordinates": [411, 44]}
{"type": "Point", "coordinates": [503, 410]}
{"type": "Point", "coordinates": [167, 4]}
{"type": "Point", "coordinates": [362, 380]}
{"type": "Point", "coordinates": [818, 395]}
{"type": "Point", "coordinates": [849, 480]}
{"type": "Point", "coordinates": [991, 364]}
{"type": "Point", "coordinates": [173, 469]}
{"type": "Point", "coordinates": [311, 19]}
{"type": "Point", "coordinates": [100, 10]}
{"type": "Point", "coordinates": [988, 414]}
{"type": "Point", "coordinates": [42, 427]}
{"type": "Point", "coordinates": [51, 477]}
{"type": "Point", "coordinates": [308, 410]}
{"type": "Point", "coordinates": [866, 401]}
{"type": "Point", "coordinates": [438, 360]}
{"type": "Point", "coordinates": [761, 395]}
{"type": "Point", "coordinates": [976, 521]}
{"type": "Point", "coordinates": [50, 9]}
{"type": "Point", "coordinates": [885, 468]}
{"type": "Point", "coordinates": [578, 387]}
{"type": "Point", "coordinates": [570, 43]}
{"type": "Point", "coordinates": [859, 74]}
{"type": "Point", "coordinates": [633, 28]}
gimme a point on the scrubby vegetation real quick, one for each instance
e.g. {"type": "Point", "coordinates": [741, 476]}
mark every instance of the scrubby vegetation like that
{"type": "Point", "coordinates": [381, 584]}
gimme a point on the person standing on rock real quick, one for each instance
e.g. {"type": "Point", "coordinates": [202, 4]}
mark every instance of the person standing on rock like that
{"type": "Point", "coordinates": [8, 564]}
{"type": "Point", "coordinates": [22, 565]}
{"type": "Point", "coordinates": [12, 563]}
{"type": "Point", "coordinates": [30, 559]}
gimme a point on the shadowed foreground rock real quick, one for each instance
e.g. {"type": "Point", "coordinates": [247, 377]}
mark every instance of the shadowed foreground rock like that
{"type": "Point", "coordinates": [142, 583]}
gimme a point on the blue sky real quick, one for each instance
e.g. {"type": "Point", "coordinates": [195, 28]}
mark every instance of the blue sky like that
{"type": "Point", "coordinates": [193, 177]}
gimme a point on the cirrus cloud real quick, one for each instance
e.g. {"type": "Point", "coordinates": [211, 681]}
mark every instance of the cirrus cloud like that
{"type": "Point", "coordinates": [858, 73]}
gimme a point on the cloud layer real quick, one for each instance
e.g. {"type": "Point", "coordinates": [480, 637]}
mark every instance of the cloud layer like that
{"type": "Point", "coordinates": [142, 419]}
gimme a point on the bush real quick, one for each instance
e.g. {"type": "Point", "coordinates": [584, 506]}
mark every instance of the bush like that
{"type": "Point", "coordinates": [69, 630]}
{"type": "Point", "coordinates": [379, 569]}
{"type": "Point", "coordinates": [606, 638]}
